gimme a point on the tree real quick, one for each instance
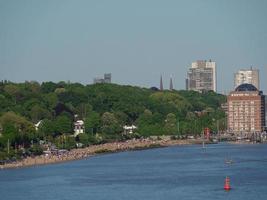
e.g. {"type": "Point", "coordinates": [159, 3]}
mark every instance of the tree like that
{"type": "Point", "coordinates": [60, 91]}
{"type": "Point", "coordinates": [63, 124]}
{"type": "Point", "coordinates": [16, 128]}
{"type": "Point", "coordinates": [168, 102]}
{"type": "Point", "coordinates": [36, 150]}
{"type": "Point", "coordinates": [20, 123]}
{"type": "Point", "coordinates": [65, 141]}
{"type": "Point", "coordinates": [5, 103]}
{"type": "Point", "coordinates": [190, 116]}
{"type": "Point", "coordinates": [37, 113]}
{"type": "Point", "coordinates": [83, 138]}
{"type": "Point", "coordinates": [110, 124]}
{"type": "Point", "coordinates": [122, 117]}
{"type": "Point", "coordinates": [92, 123]}
{"type": "Point", "coordinates": [69, 142]}
{"type": "Point", "coordinates": [10, 134]}
{"type": "Point", "coordinates": [48, 87]}
{"type": "Point", "coordinates": [145, 118]}
{"type": "Point", "coordinates": [170, 124]}
{"type": "Point", "coordinates": [84, 110]}
{"type": "Point", "coordinates": [150, 124]}
{"type": "Point", "coordinates": [46, 128]}
{"type": "Point", "coordinates": [50, 100]}
{"type": "Point", "coordinates": [14, 91]}
{"type": "Point", "coordinates": [32, 86]}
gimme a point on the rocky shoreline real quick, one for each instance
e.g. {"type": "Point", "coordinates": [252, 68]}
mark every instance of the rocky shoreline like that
{"type": "Point", "coordinates": [76, 154]}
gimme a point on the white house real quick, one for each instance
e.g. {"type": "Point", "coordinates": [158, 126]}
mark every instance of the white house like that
{"type": "Point", "coordinates": [78, 127]}
{"type": "Point", "coordinates": [129, 129]}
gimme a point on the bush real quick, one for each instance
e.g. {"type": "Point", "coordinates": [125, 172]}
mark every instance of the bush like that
{"type": "Point", "coordinates": [36, 150]}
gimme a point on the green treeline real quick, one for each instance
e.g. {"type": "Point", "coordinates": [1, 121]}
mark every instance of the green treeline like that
{"type": "Point", "coordinates": [105, 109]}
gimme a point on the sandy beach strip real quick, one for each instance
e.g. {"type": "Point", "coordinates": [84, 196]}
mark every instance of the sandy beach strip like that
{"type": "Point", "coordinates": [80, 153]}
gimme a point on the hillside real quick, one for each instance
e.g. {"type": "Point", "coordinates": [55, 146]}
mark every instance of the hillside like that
{"type": "Point", "coordinates": [105, 109]}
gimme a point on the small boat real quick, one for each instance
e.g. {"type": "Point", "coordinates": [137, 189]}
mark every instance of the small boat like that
{"type": "Point", "coordinates": [214, 140]}
{"type": "Point", "coordinates": [228, 161]}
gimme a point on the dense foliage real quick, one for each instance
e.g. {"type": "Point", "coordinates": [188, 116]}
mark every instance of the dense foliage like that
{"type": "Point", "coordinates": [105, 109]}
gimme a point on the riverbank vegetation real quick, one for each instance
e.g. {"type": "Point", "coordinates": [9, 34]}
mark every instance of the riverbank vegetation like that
{"type": "Point", "coordinates": [104, 108]}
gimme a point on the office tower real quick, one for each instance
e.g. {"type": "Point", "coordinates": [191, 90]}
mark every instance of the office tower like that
{"type": "Point", "coordinates": [250, 76]}
{"type": "Point", "coordinates": [107, 78]}
{"type": "Point", "coordinates": [171, 85]}
{"type": "Point", "coordinates": [201, 76]}
{"type": "Point", "coordinates": [246, 109]}
{"type": "Point", "coordinates": [161, 84]}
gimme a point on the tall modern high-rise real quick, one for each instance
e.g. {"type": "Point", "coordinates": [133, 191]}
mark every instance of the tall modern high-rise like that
{"type": "Point", "coordinates": [202, 76]}
{"type": "Point", "coordinates": [250, 76]}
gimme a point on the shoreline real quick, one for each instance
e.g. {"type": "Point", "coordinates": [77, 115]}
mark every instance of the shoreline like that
{"type": "Point", "coordinates": [107, 148]}
{"type": "Point", "coordinates": [81, 153]}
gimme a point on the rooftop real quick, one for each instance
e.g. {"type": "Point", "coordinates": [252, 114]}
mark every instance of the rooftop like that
{"type": "Point", "coordinates": [246, 87]}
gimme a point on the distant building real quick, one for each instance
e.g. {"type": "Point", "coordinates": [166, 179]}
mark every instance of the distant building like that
{"type": "Point", "coordinates": [129, 129]}
{"type": "Point", "coordinates": [106, 79]}
{"type": "Point", "coordinates": [246, 109]}
{"type": "Point", "coordinates": [161, 84]}
{"type": "Point", "coordinates": [171, 84]}
{"type": "Point", "coordinates": [250, 76]}
{"type": "Point", "coordinates": [201, 76]}
{"type": "Point", "coordinates": [78, 127]}
{"type": "Point", "coordinates": [98, 80]}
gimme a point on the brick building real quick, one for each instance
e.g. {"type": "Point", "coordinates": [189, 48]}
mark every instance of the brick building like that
{"type": "Point", "coordinates": [246, 110]}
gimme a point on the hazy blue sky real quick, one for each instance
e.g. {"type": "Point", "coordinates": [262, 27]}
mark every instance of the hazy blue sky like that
{"type": "Point", "coordinates": [135, 40]}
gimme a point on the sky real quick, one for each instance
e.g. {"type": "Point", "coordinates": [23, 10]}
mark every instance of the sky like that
{"type": "Point", "coordinates": [135, 40]}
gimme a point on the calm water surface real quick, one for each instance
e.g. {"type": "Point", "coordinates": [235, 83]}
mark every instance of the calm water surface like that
{"type": "Point", "coordinates": [186, 172]}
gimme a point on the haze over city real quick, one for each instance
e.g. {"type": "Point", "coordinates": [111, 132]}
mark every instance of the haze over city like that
{"type": "Point", "coordinates": [136, 41]}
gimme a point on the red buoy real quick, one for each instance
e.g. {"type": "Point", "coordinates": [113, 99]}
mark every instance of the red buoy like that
{"type": "Point", "coordinates": [227, 184]}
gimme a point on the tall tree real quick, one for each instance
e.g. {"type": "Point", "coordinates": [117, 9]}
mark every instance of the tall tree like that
{"type": "Point", "coordinates": [47, 128]}
{"type": "Point", "coordinates": [170, 124]}
{"type": "Point", "coordinates": [83, 110]}
{"type": "Point", "coordinates": [92, 123]}
{"type": "Point", "coordinates": [110, 124]}
{"type": "Point", "coordinates": [63, 124]}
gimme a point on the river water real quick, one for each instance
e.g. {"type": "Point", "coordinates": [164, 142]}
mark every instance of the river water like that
{"type": "Point", "coordinates": [180, 172]}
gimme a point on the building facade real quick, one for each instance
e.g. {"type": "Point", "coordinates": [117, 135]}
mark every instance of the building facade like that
{"type": "Point", "coordinates": [201, 76]}
{"type": "Point", "coordinates": [78, 127]}
{"type": "Point", "coordinates": [106, 79]}
{"type": "Point", "coordinates": [246, 110]}
{"type": "Point", "coordinates": [250, 76]}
